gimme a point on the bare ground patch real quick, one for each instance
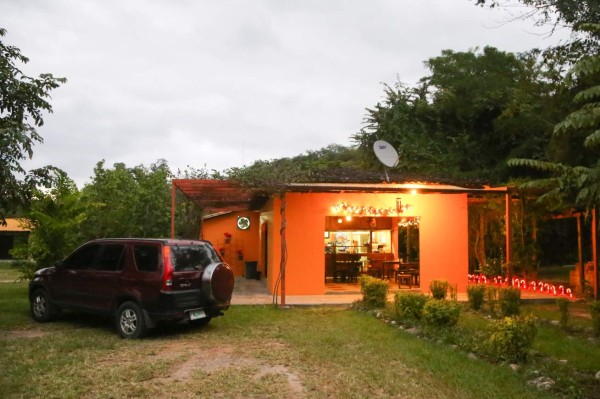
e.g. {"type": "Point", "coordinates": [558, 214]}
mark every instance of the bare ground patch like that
{"type": "Point", "coordinates": [188, 358]}
{"type": "Point", "coordinates": [17, 334]}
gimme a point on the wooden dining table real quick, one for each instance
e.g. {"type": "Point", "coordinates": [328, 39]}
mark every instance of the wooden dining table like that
{"type": "Point", "coordinates": [397, 266]}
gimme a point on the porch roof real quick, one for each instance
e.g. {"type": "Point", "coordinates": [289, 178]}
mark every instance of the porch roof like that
{"type": "Point", "coordinates": [392, 188]}
{"type": "Point", "coordinates": [222, 196]}
{"type": "Point", "coordinates": [14, 225]}
{"type": "Point", "coordinates": [215, 196]}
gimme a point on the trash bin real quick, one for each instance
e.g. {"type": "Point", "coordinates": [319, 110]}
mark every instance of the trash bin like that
{"type": "Point", "coordinates": [251, 267]}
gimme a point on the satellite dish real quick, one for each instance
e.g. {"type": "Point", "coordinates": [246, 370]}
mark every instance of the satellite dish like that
{"type": "Point", "coordinates": [386, 154]}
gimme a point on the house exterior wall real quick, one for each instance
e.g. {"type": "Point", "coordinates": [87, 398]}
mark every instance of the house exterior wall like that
{"type": "Point", "coordinates": [305, 224]}
{"type": "Point", "coordinates": [444, 242]}
{"type": "Point", "coordinates": [247, 241]}
{"type": "Point", "coordinates": [443, 236]}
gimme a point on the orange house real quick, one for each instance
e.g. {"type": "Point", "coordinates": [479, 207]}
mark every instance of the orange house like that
{"type": "Point", "coordinates": [309, 235]}
{"type": "Point", "coordinates": [10, 234]}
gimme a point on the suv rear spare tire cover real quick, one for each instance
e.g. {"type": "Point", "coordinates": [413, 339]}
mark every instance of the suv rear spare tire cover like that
{"type": "Point", "coordinates": [217, 282]}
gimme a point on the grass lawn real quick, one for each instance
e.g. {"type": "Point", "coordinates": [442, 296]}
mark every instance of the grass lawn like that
{"type": "Point", "coordinates": [7, 272]}
{"type": "Point", "coordinates": [251, 352]}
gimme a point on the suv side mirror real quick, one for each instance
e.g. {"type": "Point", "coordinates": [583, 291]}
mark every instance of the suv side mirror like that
{"type": "Point", "coordinates": [59, 264]}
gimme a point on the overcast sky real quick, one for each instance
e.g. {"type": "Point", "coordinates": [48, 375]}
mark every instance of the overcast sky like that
{"type": "Point", "coordinates": [223, 83]}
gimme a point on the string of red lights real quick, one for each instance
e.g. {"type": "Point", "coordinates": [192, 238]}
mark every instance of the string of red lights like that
{"type": "Point", "coordinates": [523, 284]}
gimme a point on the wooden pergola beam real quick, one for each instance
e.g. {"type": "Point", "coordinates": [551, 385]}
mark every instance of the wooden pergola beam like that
{"type": "Point", "coordinates": [213, 196]}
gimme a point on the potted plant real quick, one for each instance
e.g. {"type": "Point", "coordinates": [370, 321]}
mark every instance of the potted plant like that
{"type": "Point", "coordinates": [222, 251]}
{"type": "Point", "coordinates": [240, 254]}
{"type": "Point", "coordinates": [227, 237]}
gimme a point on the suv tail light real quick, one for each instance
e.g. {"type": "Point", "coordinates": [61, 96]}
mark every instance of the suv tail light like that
{"type": "Point", "coordinates": [167, 269]}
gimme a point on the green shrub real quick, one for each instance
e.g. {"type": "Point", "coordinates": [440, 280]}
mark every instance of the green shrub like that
{"type": "Point", "coordinates": [475, 294]}
{"type": "Point", "coordinates": [563, 307]}
{"type": "Point", "coordinates": [374, 291]}
{"type": "Point", "coordinates": [511, 339]}
{"type": "Point", "coordinates": [439, 289]}
{"type": "Point", "coordinates": [595, 311]}
{"type": "Point", "coordinates": [409, 306]}
{"type": "Point", "coordinates": [510, 301]}
{"type": "Point", "coordinates": [453, 292]}
{"type": "Point", "coordinates": [441, 313]}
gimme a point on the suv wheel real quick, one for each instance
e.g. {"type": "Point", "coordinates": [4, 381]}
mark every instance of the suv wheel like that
{"type": "Point", "coordinates": [41, 308]}
{"type": "Point", "coordinates": [130, 321]}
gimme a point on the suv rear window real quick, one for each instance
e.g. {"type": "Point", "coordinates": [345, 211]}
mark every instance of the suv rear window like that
{"type": "Point", "coordinates": [146, 257]}
{"type": "Point", "coordinates": [192, 257]}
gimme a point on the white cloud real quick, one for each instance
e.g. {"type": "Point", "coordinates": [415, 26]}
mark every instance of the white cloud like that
{"type": "Point", "coordinates": [224, 83]}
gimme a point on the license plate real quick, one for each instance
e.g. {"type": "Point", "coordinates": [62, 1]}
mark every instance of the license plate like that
{"type": "Point", "coordinates": [197, 314]}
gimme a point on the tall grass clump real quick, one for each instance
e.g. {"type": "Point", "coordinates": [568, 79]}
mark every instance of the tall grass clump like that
{"type": "Point", "coordinates": [595, 311]}
{"type": "Point", "coordinates": [374, 291]}
{"type": "Point", "coordinates": [563, 307]}
{"type": "Point", "coordinates": [475, 295]}
{"type": "Point", "coordinates": [439, 289]}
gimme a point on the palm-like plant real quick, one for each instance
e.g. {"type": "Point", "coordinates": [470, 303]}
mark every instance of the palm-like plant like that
{"type": "Point", "coordinates": [575, 185]}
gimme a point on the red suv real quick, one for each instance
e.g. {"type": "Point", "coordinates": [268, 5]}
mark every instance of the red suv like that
{"type": "Point", "coordinates": [138, 281]}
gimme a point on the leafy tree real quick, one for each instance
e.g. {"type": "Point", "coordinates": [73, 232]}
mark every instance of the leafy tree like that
{"type": "Point", "coordinates": [570, 14]}
{"type": "Point", "coordinates": [23, 101]}
{"type": "Point", "coordinates": [572, 184]}
{"type": "Point", "coordinates": [119, 202]}
{"type": "Point", "coordinates": [486, 236]}
{"type": "Point", "coordinates": [405, 119]}
{"type": "Point", "coordinates": [474, 111]}
{"type": "Point", "coordinates": [128, 202]}
{"type": "Point", "coordinates": [136, 202]}
{"type": "Point", "coordinates": [54, 217]}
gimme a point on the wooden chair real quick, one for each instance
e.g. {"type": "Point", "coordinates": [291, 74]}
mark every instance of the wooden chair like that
{"type": "Point", "coordinates": [346, 267]}
{"type": "Point", "coordinates": [404, 278]}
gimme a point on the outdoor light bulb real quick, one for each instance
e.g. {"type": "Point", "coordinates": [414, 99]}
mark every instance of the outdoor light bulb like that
{"type": "Point", "coordinates": [339, 220]}
{"type": "Point", "coordinates": [413, 191]}
{"type": "Point", "coordinates": [348, 218]}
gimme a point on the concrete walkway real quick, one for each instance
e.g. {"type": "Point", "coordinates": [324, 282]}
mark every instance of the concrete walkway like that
{"type": "Point", "coordinates": [255, 292]}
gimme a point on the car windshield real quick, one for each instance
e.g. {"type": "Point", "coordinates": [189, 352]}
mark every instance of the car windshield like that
{"type": "Point", "coordinates": [193, 257]}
